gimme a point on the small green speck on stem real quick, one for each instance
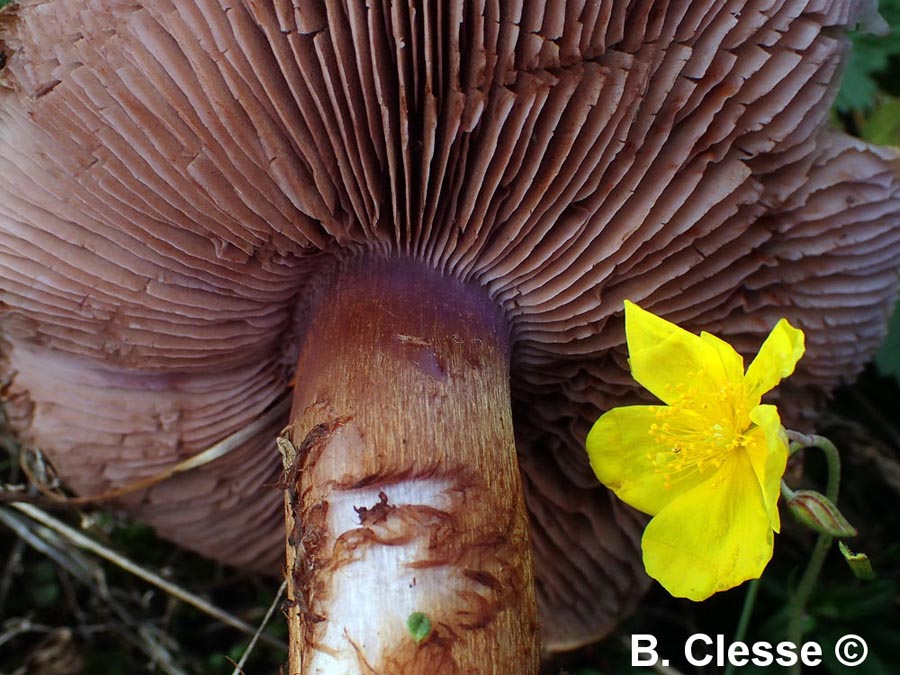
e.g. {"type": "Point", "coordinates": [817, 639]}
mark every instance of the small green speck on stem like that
{"type": "Point", "coordinates": [419, 626]}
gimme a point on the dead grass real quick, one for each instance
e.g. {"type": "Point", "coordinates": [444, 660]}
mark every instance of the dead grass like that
{"type": "Point", "coordinates": [84, 590]}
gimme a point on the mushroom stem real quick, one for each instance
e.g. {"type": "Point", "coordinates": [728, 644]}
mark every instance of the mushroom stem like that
{"type": "Point", "coordinates": [403, 494]}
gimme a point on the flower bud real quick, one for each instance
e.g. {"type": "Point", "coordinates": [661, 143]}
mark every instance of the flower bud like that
{"type": "Point", "coordinates": [819, 513]}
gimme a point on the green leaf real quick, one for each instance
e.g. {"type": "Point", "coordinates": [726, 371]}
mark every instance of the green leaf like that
{"type": "Point", "coordinates": [858, 88]}
{"type": "Point", "coordinates": [859, 563]}
{"type": "Point", "coordinates": [853, 601]}
{"type": "Point", "coordinates": [883, 125]}
{"type": "Point", "coordinates": [869, 59]}
{"type": "Point", "coordinates": [887, 360]}
{"type": "Point", "coordinates": [44, 589]}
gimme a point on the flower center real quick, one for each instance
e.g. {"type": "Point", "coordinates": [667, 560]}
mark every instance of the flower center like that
{"type": "Point", "coordinates": [698, 432]}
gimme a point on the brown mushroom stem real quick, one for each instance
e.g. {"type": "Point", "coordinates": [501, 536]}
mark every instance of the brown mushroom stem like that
{"type": "Point", "coordinates": [404, 494]}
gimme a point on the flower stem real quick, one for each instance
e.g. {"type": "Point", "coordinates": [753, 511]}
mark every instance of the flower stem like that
{"type": "Point", "coordinates": [744, 621]}
{"type": "Point", "coordinates": [786, 492]}
{"type": "Point", "coordinates": [798, 601]}
{"type": "Point", "coordinates": [800, 441]}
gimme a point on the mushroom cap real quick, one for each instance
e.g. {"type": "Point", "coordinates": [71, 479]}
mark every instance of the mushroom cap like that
{"type": "Point", "coordinates": [174, 176]}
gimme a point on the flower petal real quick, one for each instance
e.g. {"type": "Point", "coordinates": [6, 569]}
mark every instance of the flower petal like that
{"type": "Point", "coordinates": [712, 538]}
{"type": "Point", "coordinates": [630, 462]}
{"type": "Point", "coordinates": [775, 361]}
{"type": "Point", "coordinates": [767, 447]}
{"type": "Point", "coordinates": [668, 360]}
{"type": "Point", "coordinates": [732, 362]}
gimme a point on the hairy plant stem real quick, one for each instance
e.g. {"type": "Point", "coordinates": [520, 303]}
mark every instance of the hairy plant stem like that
{"type": "Point", "coordinates": [797, 603]}
{"type": "Point", "coordinates": [744, 620]}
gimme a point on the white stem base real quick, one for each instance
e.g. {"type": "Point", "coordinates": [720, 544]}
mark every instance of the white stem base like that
{"type": "Point", "coordinates": [386, 573]}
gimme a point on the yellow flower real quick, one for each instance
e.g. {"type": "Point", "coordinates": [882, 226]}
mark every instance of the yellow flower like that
{"type": "Point", "coordinates": [707, 465]}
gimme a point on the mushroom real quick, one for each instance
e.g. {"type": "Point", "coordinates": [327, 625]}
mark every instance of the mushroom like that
{"type": "Point", "coordinates": [428, 216]}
